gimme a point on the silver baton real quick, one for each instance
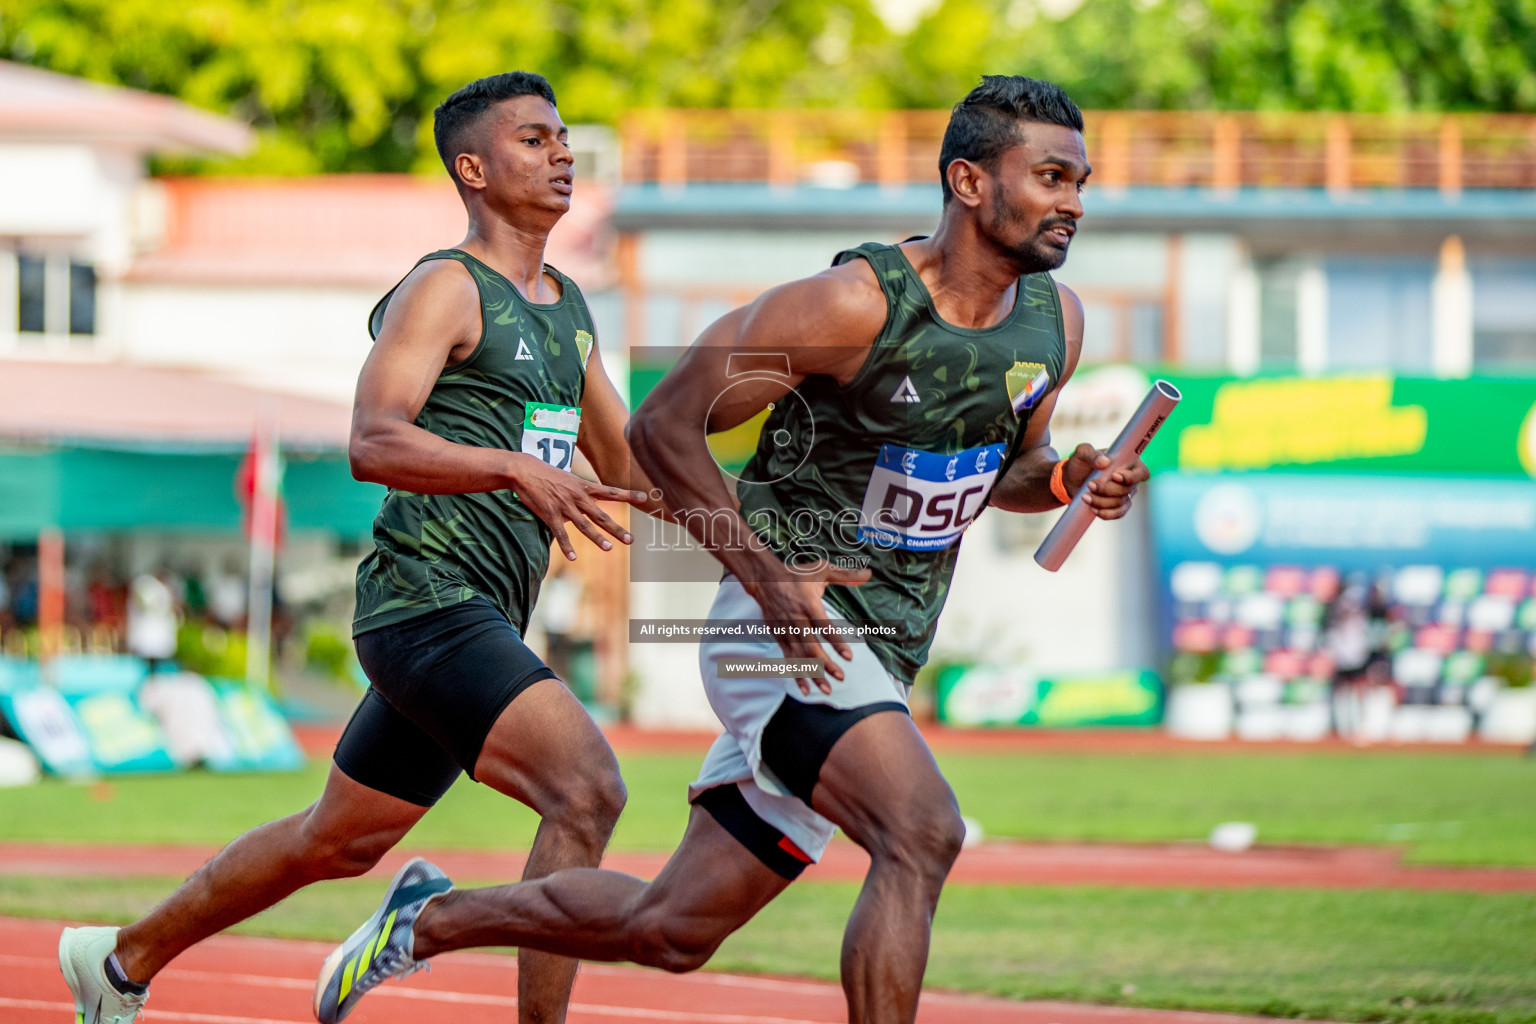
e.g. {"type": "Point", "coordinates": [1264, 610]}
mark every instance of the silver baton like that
{"type": "Point", "coordinates": [1133, 440]}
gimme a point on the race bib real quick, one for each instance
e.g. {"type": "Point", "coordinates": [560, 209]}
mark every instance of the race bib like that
{"type": "Point", "coordinates": [923, 501]}
{"type": "Point", "coordinates": [549, 433]}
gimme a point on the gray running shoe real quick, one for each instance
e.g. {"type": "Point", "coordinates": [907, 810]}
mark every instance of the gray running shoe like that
{"type": "Point", "coordinates": [83, 956]}
{"type": "Point", "coordinates": [382, 947]}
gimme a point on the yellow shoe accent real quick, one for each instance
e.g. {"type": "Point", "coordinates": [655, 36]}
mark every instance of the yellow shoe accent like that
{"type": "Point", "coordinates": [384, 932]}
{"type": "Point", "coordinates": [364, 958]}
{"type": "Point", "coordinates": [346, 982]}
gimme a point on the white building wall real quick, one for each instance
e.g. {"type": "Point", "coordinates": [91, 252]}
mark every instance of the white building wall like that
{"type": "Point", "coordinates": [309, 341]}
{"type": "Point", "coordinates": [1243, 317]}
{"type": "Point", "coordinates": [1116, 260]}
{"type": "Point", "coordinates": [668, 692]}
{"type": "Point", "coordinates": [739, 258]}
{"type": "Point", "coordinates": [71, 198]}
{"type": "Point", "coordinates": [63, 202]}
{"type": "Point", "coordinates": [52, 190]}
{"type": "Point", "coordinates": [1312, 318]}
{"type": "Point", "coordinates": [1451, 303]}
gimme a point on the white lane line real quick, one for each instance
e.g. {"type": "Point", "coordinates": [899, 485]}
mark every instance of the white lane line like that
{"type": "Point", "coordinates": [28, 961]}
{"type": "Point", "coordinates": [453, 998]}
{"type": "Point", "coordinates": [702, 1018]}
{"type": "Point", "coordinates": [707, 978]}
{"type": "Point", "coordinates": [429, 996]}
{"type": "Point", "coordinates": [150, 1016]}
{"type": "Point", "coordinates": [491, 960]}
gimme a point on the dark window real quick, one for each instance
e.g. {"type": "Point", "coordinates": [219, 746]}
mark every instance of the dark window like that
{"type": "Point", "coordinates": [1504, 314]}
{"type": "Point", "coordinates": [1122, 327]}
{"type": "Point", "coordinates": [1146, 333]}
{"type": "Point", "coordinates": [82, 299]}
{"type": "Point", "coordinates": [30, 275]}
{"type": "Point", "coordinates": [1379, 313]}
{"type": "Point", "coordinates": [1277, 311]}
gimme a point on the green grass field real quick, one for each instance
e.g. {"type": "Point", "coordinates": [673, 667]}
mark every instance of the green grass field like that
{"type": "Point", "coordinates": [1434, 958]}
{"type": "Point", "coordinates": [1444, 809]}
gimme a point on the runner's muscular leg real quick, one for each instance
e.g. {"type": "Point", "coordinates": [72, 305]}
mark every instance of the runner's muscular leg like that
{"type": "Point", "coordinates": [342, 834]}
{"type": "Point", "coordinates": [546, 752]}
{"type": "Point", "coordinates": [881, 786]}
{"type": "Point", "coordinates": [711, 886]}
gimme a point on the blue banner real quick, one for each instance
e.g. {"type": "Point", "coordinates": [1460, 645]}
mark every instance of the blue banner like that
{"type": "Point", "coordinates": [1363, 522]}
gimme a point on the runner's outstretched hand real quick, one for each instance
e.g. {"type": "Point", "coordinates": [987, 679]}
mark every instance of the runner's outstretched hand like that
{"type": "Point", "coordinates": [559, 497]}
{"type": "Point", "coordinates": [792, 606]}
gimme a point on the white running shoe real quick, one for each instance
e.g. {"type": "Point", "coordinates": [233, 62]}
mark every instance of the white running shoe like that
{"type": "Point", "coordinates": [83, 956]}
{"type": "Point", "coordinates": [382, 948]}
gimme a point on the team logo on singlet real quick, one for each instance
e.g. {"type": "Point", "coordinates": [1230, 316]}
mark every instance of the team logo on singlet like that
{"type": "Point", "coordinates": [905, 392]}
{"type": "Point", "coordinates": [522, 350]}
{"type": "Point", "coordinates": [584, 346]}
{"type": "Point", "coordinates": [1027, 384]}
{"type": "Point", "coordinates": [923, 501]}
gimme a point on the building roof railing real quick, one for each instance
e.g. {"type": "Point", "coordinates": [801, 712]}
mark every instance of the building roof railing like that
{"type": "Point", "coordinates": [1219, 150]}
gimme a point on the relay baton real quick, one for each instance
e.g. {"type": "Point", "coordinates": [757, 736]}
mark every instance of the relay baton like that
{"type": "Point", "coordinates": [1133, 440]}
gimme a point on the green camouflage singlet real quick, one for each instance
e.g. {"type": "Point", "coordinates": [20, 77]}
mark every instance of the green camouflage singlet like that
{"type": "Point", "coordinates": [888, 472]}
{"type": "Point", "coordinates": [520, 391]}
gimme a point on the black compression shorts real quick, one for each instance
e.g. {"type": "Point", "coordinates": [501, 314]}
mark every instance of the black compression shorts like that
{"type": "Point", "coordinates": [440, 681]}
{"type": "Point", "coordinates": [776, 850]}
{"type": "Point", "coordinates": [795, 744]}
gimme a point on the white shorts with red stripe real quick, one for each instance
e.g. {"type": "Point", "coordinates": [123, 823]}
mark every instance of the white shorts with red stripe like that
{"type": "Point", "coordinates": [745, 703]}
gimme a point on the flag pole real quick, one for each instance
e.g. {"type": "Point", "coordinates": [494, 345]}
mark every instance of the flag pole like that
{"type": "Point", "coordinates": [266, 472]}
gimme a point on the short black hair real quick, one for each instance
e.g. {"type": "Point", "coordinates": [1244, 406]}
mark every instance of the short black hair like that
{"type": "Point", "coordinates": [456, 117]}
{"type": "Point", "coordinates": [985, 124]}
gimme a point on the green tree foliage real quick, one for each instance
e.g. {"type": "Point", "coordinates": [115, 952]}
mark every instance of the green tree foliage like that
{"type": "Point", "coordinates": [349, 85]}
{"type": "Point", "coordinates": [1358, 55]}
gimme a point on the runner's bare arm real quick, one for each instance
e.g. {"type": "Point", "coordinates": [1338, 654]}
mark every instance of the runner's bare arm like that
{"type": "Point", "coordinates": [432, 321]}
{"type": "Point", "coordinates": [1027, 485]}
{"type": "Point", "coordinates": [603, 419]}
{"type": "Point", "coordinates": [820, 325]}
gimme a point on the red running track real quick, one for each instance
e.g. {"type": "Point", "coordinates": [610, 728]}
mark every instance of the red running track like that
{"type": "Point", "coordinates": [1189, 865]}
{"type": "Point", "coordinates": [236, 980]}
{"type": "Point", "coordinates": [318, 740]}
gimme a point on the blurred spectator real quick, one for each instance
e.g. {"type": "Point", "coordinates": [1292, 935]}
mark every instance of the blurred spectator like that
{"type": "Point", "coordinates": [282, 620]}
{"type": "Point", "coordinates": [24, 591]}
{"type": "Point", "coordinates": [152, 618]}
{"type": "Point", "coordinates": [106, 598]}
{"type": "Point", "coordinates": [1356, 639]}
{"type": "Point", "coordinates": [194, 598]}
{"type": "Point", "coordinates": [226, 596]}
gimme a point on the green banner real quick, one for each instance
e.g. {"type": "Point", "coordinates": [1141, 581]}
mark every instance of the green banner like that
{"type": "Point", "coordinates": [1338, 423]}
{"type": "Point", "coordinates": [987, 695]}
{"type": "Point", "coordinates": [193, 492]}
{"type": "Point", "coordinates": [1351, 424]}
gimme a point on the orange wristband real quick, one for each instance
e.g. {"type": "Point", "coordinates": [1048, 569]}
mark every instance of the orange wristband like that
{"type": "Point", "coordinates": [1058, 485]}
